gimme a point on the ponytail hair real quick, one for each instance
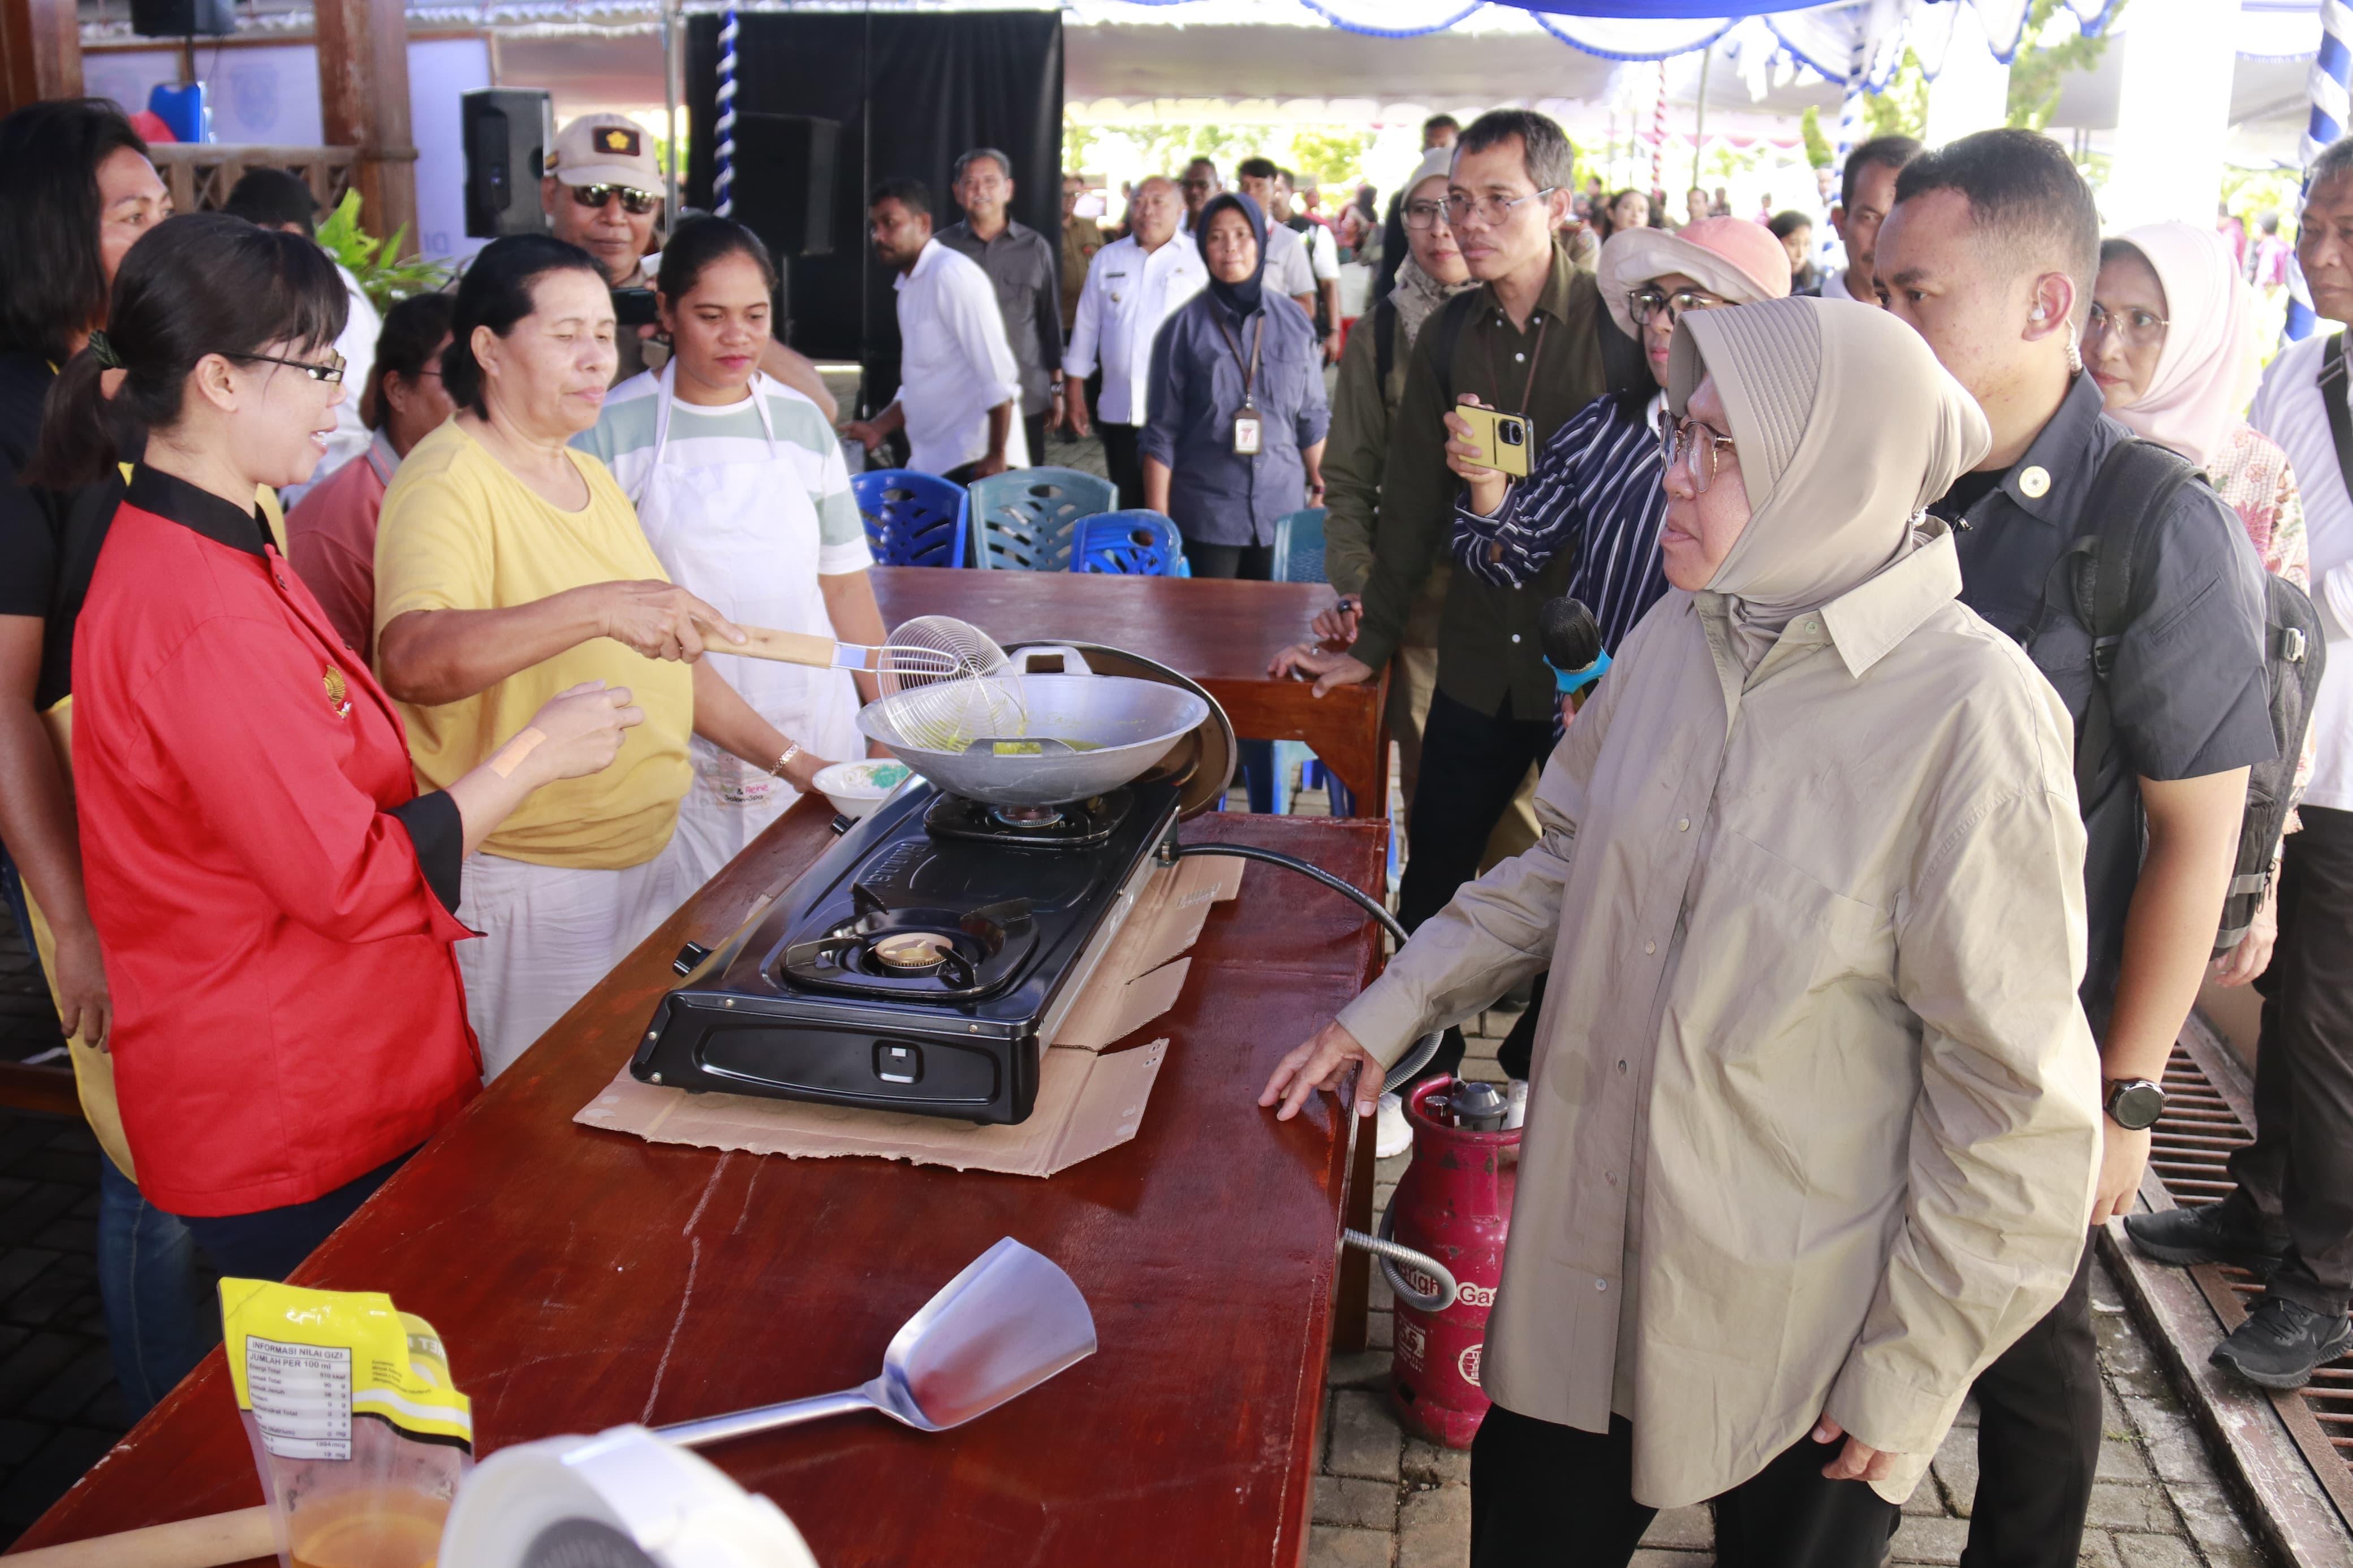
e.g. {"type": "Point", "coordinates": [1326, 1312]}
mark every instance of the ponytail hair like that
{"type": "Point", "coordinates": [201, 284]}
{"type": "Point", "coordinates": [496, 293]}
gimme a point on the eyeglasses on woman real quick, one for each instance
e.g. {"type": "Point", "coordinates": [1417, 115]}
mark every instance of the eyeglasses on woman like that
{"type": "Point", "coordinates": [1678, 438]}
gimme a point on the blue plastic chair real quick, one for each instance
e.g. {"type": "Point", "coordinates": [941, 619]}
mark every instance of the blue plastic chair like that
{"type": "Point", "coordinates": [911, 519]}
{"type": "Point", "coordinates": [1299, 558]}
{"type": "Point", "coordinates": [1136, 543]}
{"type": "Point", "coordinates": [1022, 519]}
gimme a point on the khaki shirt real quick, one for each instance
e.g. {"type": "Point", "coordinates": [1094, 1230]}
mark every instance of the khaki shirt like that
{"type": "Point", "coordinates": [1815, 1118]}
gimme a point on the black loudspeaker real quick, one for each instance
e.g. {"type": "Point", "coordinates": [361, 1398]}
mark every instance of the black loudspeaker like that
{"type": "Point", "coordinates": [183, 19]}
{"type": "Point", "coordinates": [783, 189]}
{"type": "Point", "coordinates": [507, 129]}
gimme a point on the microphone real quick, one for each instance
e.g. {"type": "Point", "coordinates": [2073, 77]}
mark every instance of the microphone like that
{"type": "Point", "coordinates": [1570, 639]}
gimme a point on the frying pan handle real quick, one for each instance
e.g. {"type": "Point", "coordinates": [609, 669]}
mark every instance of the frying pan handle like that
{"type": "Point", "coordinates": [1050, 658]}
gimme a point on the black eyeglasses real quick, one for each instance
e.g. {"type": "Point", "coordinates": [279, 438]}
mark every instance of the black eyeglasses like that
{"type": "Point", "coordinates": [330, 373]}
{"type": "Point", "coordinates": [634, 202]}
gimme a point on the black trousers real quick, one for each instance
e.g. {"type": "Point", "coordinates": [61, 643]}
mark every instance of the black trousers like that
{"type": "Point", "coordinates": [1251, 563]}
{"type": "Point", "coordinates": [2038, 1420]}
{"type": "Point", "coordinates": [1552, 1497]}
{"type": "Point", "coordinates": [2299, 1170]}
{"type": "Point", "coordinates": [1033, 426]}
{"type": "Point", "coordinates": [1472, 765]}
{"type": "Point", "coordinates": [1124, 463]}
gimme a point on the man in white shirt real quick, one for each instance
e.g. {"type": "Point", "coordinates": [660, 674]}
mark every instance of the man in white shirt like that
{"type": "Point", "coordinates": [1866, 196]}
{"type": "Point", "coordinates": [959, 385]}
{"type": "Point", "coordinates": [1133, 286]}
{"type": "Point", "coordinates": [2292, 1215]}
{"type": "Point", "coordinates": [1289, 269]}
{"type": "Point", "coordinates": [1322, 259]}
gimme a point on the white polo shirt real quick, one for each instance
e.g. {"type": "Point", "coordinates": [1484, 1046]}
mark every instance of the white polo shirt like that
{"type": "Point", "coordinates": [1129, 292]}
{"type": "Point", "coordinates": [1289, 269]}
{"type": "Point", "coordinates": [954, 363]}
{"type": "Point", "coordinates": [2289, 409]}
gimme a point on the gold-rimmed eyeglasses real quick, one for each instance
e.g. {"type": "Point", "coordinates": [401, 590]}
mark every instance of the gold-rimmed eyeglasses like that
{"type": "Point", "coordinates": [2135, 327]}
{"type": "Point", "coordinates": [1650, 299]}
{"type": "Point", "coordinates": [1687, 437]}
{"type": "Point", "coordinates": [1491, 209]}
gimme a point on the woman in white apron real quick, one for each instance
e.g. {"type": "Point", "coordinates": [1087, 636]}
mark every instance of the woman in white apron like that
{"type": "Point", "coordinates": [740, 485]}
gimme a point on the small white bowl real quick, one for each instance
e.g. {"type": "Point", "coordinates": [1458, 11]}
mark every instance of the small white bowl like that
{"type": "Point", "coordinates": [855, 787]}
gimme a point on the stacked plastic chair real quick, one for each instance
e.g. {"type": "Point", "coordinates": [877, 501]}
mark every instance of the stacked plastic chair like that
{"type": "Point", "coordinates": [1134, 544]}
{"type": "Point", "coordinates": [911, 519]}
{"type": "Point", "coordinates": [1023, 519]}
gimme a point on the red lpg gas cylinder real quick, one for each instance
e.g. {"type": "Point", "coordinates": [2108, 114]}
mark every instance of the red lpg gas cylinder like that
{"type": "Point", "coordinates": [1454, 1203]}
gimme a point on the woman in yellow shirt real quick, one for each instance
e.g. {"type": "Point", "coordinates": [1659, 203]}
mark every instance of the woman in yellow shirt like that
{"type": "Point", "coordinates": [510, 567]}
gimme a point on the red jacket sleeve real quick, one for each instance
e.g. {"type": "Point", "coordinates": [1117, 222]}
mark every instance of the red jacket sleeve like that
{"type": "Point", "coordinates": [238, 729]}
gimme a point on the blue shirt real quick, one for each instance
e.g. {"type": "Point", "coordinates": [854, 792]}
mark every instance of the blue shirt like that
{"type": "Point", "coordinates": [1215, 496]}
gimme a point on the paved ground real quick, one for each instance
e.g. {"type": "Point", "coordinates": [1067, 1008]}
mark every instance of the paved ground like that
{"type": "Point", "coordinates": [1383, 1501]}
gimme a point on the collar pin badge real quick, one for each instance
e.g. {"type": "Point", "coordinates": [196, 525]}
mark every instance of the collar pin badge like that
{"type": "Point", "coordinates": [337, 697]}
{"type": "Point", "coordinates": [2034, 483]}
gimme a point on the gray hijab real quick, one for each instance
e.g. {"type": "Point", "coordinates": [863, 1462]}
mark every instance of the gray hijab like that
{"type": "Point", "coordinates": [1847, 427]}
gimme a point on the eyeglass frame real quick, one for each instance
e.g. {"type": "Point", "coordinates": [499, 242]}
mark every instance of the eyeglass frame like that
{"type": "Point", "coordinates": [1508, 205]}
{"type": "Point", "coordinates": [331, 373]}
{"type": "Point", "coordinates": [2101, 319]}
{"type": "Point", "coordinates": [604, 194]}
{"type": "Point", "coordinates": [1434, 214]}
{"type": "Point", "coordinates": [1671, 442]}
{"type": "Point", "coordinates": [1641, 313]}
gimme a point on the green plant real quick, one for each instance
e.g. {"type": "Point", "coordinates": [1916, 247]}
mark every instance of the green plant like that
{"type": "Point", "coordinates": [2041, 69]}
{"type": "Point", "coordinates": [386, 276]}
{"type": "Point", "coordinates": [1903, 108]}
{"type": "Point", "coordinates": [1334, 155]}
{"type": "Point", "coordinates": [1818, 146]}
{"type": "Point", "coordinates": [1079, 144]}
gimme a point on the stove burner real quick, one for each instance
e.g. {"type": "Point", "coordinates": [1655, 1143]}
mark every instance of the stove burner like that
{"type": "Point", "coordinates": [913, 953]}
{"type": "Point", "coordinates": [1075, 825]}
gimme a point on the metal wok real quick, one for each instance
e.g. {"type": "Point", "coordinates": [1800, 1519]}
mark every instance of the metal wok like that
{"type": "Point", "coordinates": [1086, 734]}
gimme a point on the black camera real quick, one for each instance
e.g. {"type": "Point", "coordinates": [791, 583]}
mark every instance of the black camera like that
{"type": "Point", "coordinates": [634, 307]}
{"type": "Point", "coordinates": [1511, 432]}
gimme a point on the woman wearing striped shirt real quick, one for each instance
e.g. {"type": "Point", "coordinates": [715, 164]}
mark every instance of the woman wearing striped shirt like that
{"type": "Point", "coordinates": [1595, 488]}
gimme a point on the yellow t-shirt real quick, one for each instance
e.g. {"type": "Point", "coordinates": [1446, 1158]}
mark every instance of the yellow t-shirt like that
{"type": "Point", "coordinates": [460, 533]}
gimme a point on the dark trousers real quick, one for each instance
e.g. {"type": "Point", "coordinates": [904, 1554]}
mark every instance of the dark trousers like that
{"type": "Point", "coordinates": [2298, 1172]}
{"type": "Point", "coordinates": [1122, 463]}
{"type": "Point", "coordinates": [1251, 563]}
{"type": "Point", "coordinates": [1552, 1497]}
{"type": "Point", "coordinates": [1033, 426]}
{"type": "Point", "coordinates": [2038, 1420]}
{"type": "Point", "coordinates": [271, 1243]}
{"type": "Point", "coordinates": [1472, 765]}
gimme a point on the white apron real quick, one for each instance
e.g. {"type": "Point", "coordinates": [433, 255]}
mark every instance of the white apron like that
{"type": "Point", "coordinates": [743, 537]}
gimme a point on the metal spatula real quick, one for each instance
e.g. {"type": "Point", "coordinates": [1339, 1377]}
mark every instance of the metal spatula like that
{"type": "Point", "coordinates": [1005, 1325]}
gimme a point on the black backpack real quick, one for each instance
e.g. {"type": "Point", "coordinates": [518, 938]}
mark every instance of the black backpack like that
{"type": "Point", "coordinates": [2134, 490]}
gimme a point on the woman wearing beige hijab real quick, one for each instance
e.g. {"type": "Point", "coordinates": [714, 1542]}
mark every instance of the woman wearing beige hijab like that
{"type": "Point", "coordinates": [1814, 1117]}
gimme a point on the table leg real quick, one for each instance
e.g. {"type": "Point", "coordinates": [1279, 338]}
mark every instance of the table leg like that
{"type": "Point", "coordinates": [1352, 1295]}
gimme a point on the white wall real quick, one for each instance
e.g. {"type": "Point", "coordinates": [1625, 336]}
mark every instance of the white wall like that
{"type": "Point", "coordinates": [439, 70]}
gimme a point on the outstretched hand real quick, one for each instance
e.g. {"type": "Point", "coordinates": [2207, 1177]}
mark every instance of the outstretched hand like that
{"type": "Point", "coordinates": [1328, 668]}
{"type": "Point", "coordinates": [1323, 1063]}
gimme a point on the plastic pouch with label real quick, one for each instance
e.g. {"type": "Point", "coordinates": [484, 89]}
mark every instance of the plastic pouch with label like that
{"type": "Point", "coordinates": [359, 1434]}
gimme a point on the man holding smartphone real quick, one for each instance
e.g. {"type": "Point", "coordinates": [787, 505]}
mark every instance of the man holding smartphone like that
{"type": "Point", "coordinates": [1528, 341]}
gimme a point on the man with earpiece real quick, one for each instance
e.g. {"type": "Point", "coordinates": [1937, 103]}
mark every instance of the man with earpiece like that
{"type": "Point", "coordinates": [1989, 253]}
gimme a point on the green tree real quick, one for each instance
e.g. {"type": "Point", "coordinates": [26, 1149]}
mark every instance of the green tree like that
{"type": "Point", "coordinates": [2041, 69]}
{"type": "Point", "coordinates": [1079, 144]}
{"type": "Point", "coordinates": [1818, 146]}
{"type": "Point", "coordinates": [1903, 108]}
{"type": "Point", "coordinates": [1333, 155]}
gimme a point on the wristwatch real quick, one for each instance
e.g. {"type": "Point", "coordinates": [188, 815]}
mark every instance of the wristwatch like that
{"type": "Point", "coordinates": [2134, 1103]}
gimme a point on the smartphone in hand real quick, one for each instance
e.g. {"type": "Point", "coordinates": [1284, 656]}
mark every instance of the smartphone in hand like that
{"type": "Point", "coordinates": [1503, 440]}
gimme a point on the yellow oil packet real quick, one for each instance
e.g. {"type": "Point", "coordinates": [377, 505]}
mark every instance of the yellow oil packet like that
{"type": "Point", "coordinates": [359, 1433]}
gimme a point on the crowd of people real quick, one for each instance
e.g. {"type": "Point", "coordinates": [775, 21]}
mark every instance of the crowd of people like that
{"type": "Point", "coordinates": [1946, 592]}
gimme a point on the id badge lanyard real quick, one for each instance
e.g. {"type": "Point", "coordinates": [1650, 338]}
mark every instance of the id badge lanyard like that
{"type": "Point", "coordinates": [1248, 429]}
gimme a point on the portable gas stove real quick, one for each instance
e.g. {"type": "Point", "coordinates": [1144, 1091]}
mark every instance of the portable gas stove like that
{"type": "Point", "coordinates": [923, 964]}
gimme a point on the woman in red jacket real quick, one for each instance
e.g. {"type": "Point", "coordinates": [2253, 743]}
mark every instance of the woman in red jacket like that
{"type": "Point", "coordinates": [273, 895]}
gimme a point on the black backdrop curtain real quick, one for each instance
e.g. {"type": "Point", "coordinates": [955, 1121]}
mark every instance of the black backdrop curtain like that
{"type": "Point", "coordinates": [941, 84]}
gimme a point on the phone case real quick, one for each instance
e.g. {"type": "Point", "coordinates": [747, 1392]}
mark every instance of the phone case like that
{"type": "Point", "coordinates": [1504, 457]}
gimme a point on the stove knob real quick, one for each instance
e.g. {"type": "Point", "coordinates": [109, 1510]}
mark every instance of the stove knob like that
{"type": "Point", "coordinates": [690, 958]}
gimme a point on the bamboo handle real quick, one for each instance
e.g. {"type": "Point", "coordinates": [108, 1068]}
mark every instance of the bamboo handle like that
{"type": "Point", "coordinates": [206, 1543]}
{"type": "Point", "coordinates": [783, 647]}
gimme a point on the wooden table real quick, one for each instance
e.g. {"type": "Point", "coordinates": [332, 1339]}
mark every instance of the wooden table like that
{"type": "Point", "coordinates": [1220, 632]}
{"type": "Point", "coordinates": [583, 1280]}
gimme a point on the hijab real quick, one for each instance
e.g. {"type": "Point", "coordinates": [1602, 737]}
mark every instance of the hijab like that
{"type": "Point", "coordinates": [1416, 293]}
{"type": "Point", "coordinates": [1847, 428]}
{"type": "Point", "coordinates": [1239, 299]}
{"type": "Point", "coordinates": [2207, 370]}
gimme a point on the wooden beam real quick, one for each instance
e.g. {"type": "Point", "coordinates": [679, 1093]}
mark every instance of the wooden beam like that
{"type": "Point", "coordinates": [363, 103]}
{"type": "Point", "coordinates": [40, 52]}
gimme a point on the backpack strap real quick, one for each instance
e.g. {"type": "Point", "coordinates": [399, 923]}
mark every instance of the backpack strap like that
{"type": "Point", "coordinates": [2332, 397]}
{"type": "Point", "coordinates": [1451, 318]}
{"type": "Point", "coordinates": [1385, 324]}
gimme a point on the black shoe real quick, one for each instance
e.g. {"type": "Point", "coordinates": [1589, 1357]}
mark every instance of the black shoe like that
{"type": "Point", "coordinates": [2215, 1233]}
{"type": "Point", "coordinates": [2282, 1341]}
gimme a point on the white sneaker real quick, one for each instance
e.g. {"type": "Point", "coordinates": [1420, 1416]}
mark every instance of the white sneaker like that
{"type": "Point", "coordinates": [1392, 1133]}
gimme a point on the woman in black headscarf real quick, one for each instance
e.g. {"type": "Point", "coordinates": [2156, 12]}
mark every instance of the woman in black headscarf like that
{"type": "Point", "coordinates": [1235, 437]}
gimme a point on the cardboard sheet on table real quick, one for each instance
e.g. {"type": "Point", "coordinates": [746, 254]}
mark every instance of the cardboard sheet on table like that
{"type": "Point", "coordinates": [1088, 1099]}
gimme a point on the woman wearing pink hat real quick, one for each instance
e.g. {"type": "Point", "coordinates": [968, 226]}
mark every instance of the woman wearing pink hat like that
{"type": "Point", "coordinates": [1595, 487]}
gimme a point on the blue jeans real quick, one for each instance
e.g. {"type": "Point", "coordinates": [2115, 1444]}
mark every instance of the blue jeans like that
{"type": "Point", "coordinates": [159, 1316]}
{"type": "Point", "coordinates": [271, 1243]}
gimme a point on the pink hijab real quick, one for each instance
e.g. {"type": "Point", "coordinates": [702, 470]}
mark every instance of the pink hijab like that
{"type": "Point", "coordinates": [2207, 370]}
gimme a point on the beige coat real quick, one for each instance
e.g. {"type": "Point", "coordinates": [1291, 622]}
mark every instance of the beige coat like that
{"type": "Point", "coordinates": [1815, 1113]}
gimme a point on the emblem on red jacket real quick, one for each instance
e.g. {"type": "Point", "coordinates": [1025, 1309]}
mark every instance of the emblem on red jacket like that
{"type": "Point", "coordinates": [333, 681]}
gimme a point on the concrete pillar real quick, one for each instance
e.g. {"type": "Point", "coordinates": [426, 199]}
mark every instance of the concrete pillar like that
{"type": "Point", "coordinates": [1972, 91]}
{"type": "Point", "coordinates": [2172, 114]}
